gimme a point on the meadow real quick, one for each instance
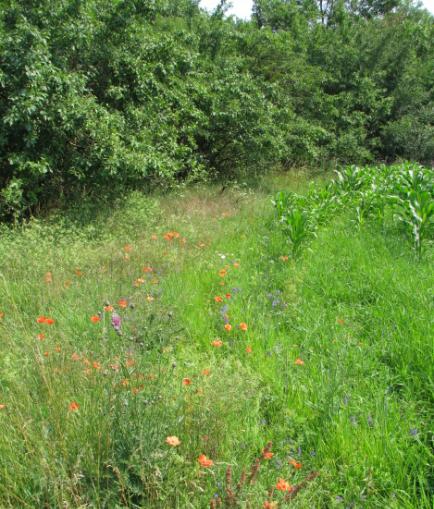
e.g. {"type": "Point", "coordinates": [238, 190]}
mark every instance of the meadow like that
{"type": "Point", "coordinates": [251, 347]}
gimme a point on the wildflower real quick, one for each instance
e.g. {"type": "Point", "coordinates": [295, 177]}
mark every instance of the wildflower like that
{"type": "Point", "coordinates": [48, 278]}
{"type": "Point", "coordinates": [2, 315]}
{"type": "Point", "coordinates": [128, 248]}
{"type": "Point", "coordinates": [46, 354]}
{"type": "Point", "coordinates": [75, 357]}
{"type": "Point", "coordinates": [78, 272]}
{"type": "Point", "coordinates": [186, 381]}
{"type": "Point", "coordinates": [154, 237]}
{"type": "Point", "coordinates": [49, 321]}
{"type": "Point", "coordinates": [267, 455]}
{"type": "Point", "coordinates": [228, 295]}
{"type": "Point", "coordinates": [41, 319]}
{"type": "Point", "coordinates": [217, 343]}
{"type": "Point", "coordinates": [130, 362]}
{"type": "Point", "coordinates": [108, 309]}
{"type": "Point", "coordinates": [116, 322]}
{"type": "Point", "coordinates": [228, 327]}
{"type": "Point", "coordinates": [73, 406]}
{"type": "Point", "coordinates": [284, 258]}
{"type": "Point", "coordinates": [41, 336]}
{"type": "Point", "coordinates": [125, 382]}
{"type": "Point", "coordinates": [222, 272]}
{"type": "Point", "coordinates": [67, 283]}
{"type": "Point", "coordinates": [173, 441]}
{"type": "Point", "coordinates": [149, 298]}
{"type": "Point", "coordinates": [340, 321]}
{"type": "Point", "coordinates": [414, 432]}
{"type": "Point", "coordinates": [96, 365]}
{"type": "Point", "coordinates": [204, 461]}
{"type": "Point", "coordinates": [270, 505]}
{"type": "Point", "coordinates": [58, 348]}
{"type": "Point", "coordinates": [2, 406]}
{"type": "Point", "coordinates": [236, 265]}
{"type": "Point", "coordinates": [299, 362]}
{"type": "Point", "coordinates": [147, 269]}
{"type": "Point", "coordinates": [123, 303]}
{"type": "Point", "coordinates": [282, 485]}
{"type": "Point", "coordinates": [139, 281]}
{"type": "Point", "coordinates": [206, 372]}
{"type": "Point", "coordinates": [296, 464]}
{"type": "Point", "coordinates": [218, 299]}
{"type": "Point", "coordinates": [115, 367]}
{"type": "Point", "coordinates": [249, 349]}
{"type": "Point", "coordinates": [243, 326]}
{"type": "Point", "coordinates": [95, 319]}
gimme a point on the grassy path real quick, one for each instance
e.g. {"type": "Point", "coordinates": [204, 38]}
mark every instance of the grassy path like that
{"type": "Point", "coordinates": [226, 344]}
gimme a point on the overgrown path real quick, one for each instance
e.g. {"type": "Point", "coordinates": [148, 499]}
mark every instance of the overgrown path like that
{"type": "Point", "coordinates": [185, 317]}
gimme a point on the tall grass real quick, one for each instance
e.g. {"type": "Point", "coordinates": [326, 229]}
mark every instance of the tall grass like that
{"type": "Point", "coordinates": [334, 367]}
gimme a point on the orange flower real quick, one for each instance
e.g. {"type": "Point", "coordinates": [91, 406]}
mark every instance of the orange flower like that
{"type": "Point", "coordinates": [2, 406]}
{"type": "Point", "coordinates": [2, 315]}
{"type": "Point", "coordinates": [204, 461]}
{"type": "Point", "coordinates": [228, 327]}
{"type": "Point", "coordinates": [78, 272]}
{"type": "Point", "coordinates": [171, 235]}
{"type": "Point", "coordinates": [217, 343]}
{"type": "Point", "coordinates": [49, 321]}
{"type": "Point", "coordinates": [284, 258]}
{"type": "Point", "coordinates": [41, 336]}
{"type": "Point", "coordinates": [186, 381]}
{"type": "Point", "coordinates": [270, 505]}
{"type": "Point", "coordinates": [130, 362]}
{"type": "Point", "coordinates": [249, 349]}
{"type": "Point", "coordinates": [267, 455]}
{"type": "Point", "coordinates": [123, 303]}
{"type": "Point", "coordinates": [41, 319]}
{"type": "Point", "coordinates": [222, 272]}
{"type": "Point", "coordinates": [147, 269]}
{"type": "Point", "coordinates": [236, 265]}
{"type": "Point", "coordinates": [297, 465]}
{"type": "Point", "coordinates": [73, 406]}
{"type": "Point", "coordinates": [46, 354]}
{"type": "Point", "coordinates": [95, 319]}
{"type": "Point", "coordinates": [125, 382]}
{"type": "Point", "coordinates": [96, 365]}
{"type": "Point", "coordinates": [75, 357]}
{"type": "Point", "coordinates": [173, 441]}
{"type": "Point", "coordinates": [218, 299]}
{"type": "Point", "coordinates": [243, 326]}
{"type": "Point", "coordinates": [48, 278]}
{"type": "Point", "coordinates": [206, 372]}
{"type": "Point", "coordinates": [340, 321]}
{"type": "Point", "coordinates": [109, 309]}
{"type": "Point", "coordinates": [282, 485]}
{"type": "Point", "coordinates": [299, 362]}
{"type": "Point", "coordinates": [128, 248]}
{"type": "Point", "coordinates": [228, 295]}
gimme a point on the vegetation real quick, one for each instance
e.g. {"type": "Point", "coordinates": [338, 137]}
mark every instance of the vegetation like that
{"type": "Point", "coordinates": [104, 96]}
{"type": "Point", "coordinates": [153, 354]}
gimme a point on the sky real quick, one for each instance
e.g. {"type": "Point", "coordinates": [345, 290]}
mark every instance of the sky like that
{"type": "Point", "coordinates": [243, 8]}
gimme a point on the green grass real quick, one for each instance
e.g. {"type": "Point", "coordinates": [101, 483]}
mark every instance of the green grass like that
{"type": "Point", "coordinates": [355, 306]}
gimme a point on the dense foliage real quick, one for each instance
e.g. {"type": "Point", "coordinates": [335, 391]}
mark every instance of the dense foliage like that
{"type": "Point", "coordinates": [104, 95]}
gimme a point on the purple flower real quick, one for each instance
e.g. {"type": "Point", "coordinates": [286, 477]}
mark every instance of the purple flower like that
{"type": "Point", "coordinates": [116, 322]}
{"type": "Point", "coordinates": [224, 309]}
{"type": "Point", "coordinates": [414, 432]}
